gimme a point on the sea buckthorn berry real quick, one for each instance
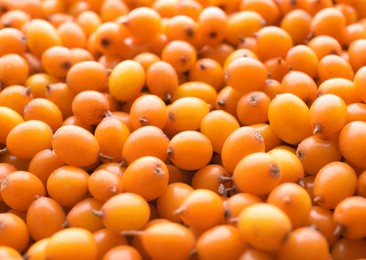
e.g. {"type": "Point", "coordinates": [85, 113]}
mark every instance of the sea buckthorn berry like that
{"type": "Point", "coordinates": [211, 177]}
{"type": "Point", "coordinates": [90, 106]}
{"type": "Point", "coordinates": [334, 66]}
{"type": "Point", "coordinates": [14, 70]}
{"type": "Point", "coordinates": [87, 75]}
{"type": "Point", "coordinates": [143, 23]}
{"type": "Point", "coordinates": [304, 243]}
{"type": "Point", "coordinates": [349, 215]}
{"type": "Point", "coordinates": [356, 112]}
{"type": "Point", "coordinates": [81, 215]}
{"type": "Point", "coordinates": [353, 33]}
{"type": "Point", "coordinates": [328, 115]}
{"type": "Point", "coordinates": [10, 119]}
{"type": "Point", "coordinates": [222, 241]}
{"type": "Point", "coordinates": [125, 211]}
{"type": "Point", "coordinates": [57, 61]}
{"type": "Point", "coordinates": [126, 80]}
{"type": "Point", "coordinates": [268, 9]}
{"type": "Point", "coordinates": [239, 74]}
{"type": "Point", "coordinates": [291, 167]}
{"type": "Point", "coordinates": [359, 83]}
{"type": "Point", "coordinates": [14, 232]}
{"type": "Point", "coordinates": [148, 110]}
{"type": "Point", "coordinates": [28, 138]}
{"type": "Point", "coordinates": [75, 146]}
{"type": "Point", "coordinates": [165, 236]}
{"type": "Point", "coordinates": [209, 71]}
{"type": "Point", "coordinates": [180, 54]}
{"type": "Point", "coordinates": [43, 212]}
{"type": "Point", "coordinates": [104, 184]}
{"type": "Point", "coordinates": [212, 25]}
{"type": "Point", "coordinates": [111, 10]}
{"type": "Point", "coordinates": [26, 185]}
{"type": "Point", "coordinates": [68, 185]}
{"type": "Point", "coordinates": [257, 173]}
{"type": "Point", "coordinates": [147, 176]}
{"type": "Point", "coordinates": [15, 97]}
{"type": "Point", "coordinates": [289, 117]}
{"type": "Point", "coordinates": [357, 53]}
{"type": "Point", "coordinates": [315, 152]}
{"type": "Point", "coordinates": [334, 182]}
{"type": "Point", "coordinates": [111, 130]}
{"type": "Point", "coordinates": [217, 125]}
{"type": "Point", "coordinates": [190, 150]}
{"type": "Point", "coordinates": [162, 79]}
{"type": "Point", "coordinates": [328, 21]}
{"type": "Point", "coordinates": [264, 226]}
{"type": "Point", "coordinates": [243, 24]}
{"type": "Point", "coordinates": [41, 35]}
{"type": "Point", "coordinates": [344, 88]}
{"type": "Point", "coordinates": [151, 141]}
{"type": "Point", "coordinates": [13, 41]}
{"type": "Point", "coordinates": [252, 108]}
{"type": "Point", "coordinates": [72, 35]}
{"type": "Point", "coordinates": [324, 45]}
{"type": "Point", "coordinates": [297, 24]}
{"type": "Point", "coordinates": [72, 243]}
{"type": "Point", "coordinates": [186, 113]}
{"type": "Point", "coordinates": [89, 21]}
{"type": "Point", "coordinates": [241, 142]}
{"type": "Point", "coordinates": [108, 39]}
{"type": "Point", "coordinates": [322, 220]}
{"type": "Point", "coordinates": [14, 19]}
{"type": "Point", "coordinates": [202, 209]}
{"type": "Point", "coordinates": [293, 200]}
{"type": "Point", "coordinates": [303, 58]}
{"type": "Point", "coordinates": [43, 110]}
{"type": "Point", "coordinates": [300, 84]}
{"type": "Point", "coordinates": [273, 42]}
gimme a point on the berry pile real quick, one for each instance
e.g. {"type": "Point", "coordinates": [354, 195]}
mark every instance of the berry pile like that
{"type": "Point", "coordinates": [183, 129]}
